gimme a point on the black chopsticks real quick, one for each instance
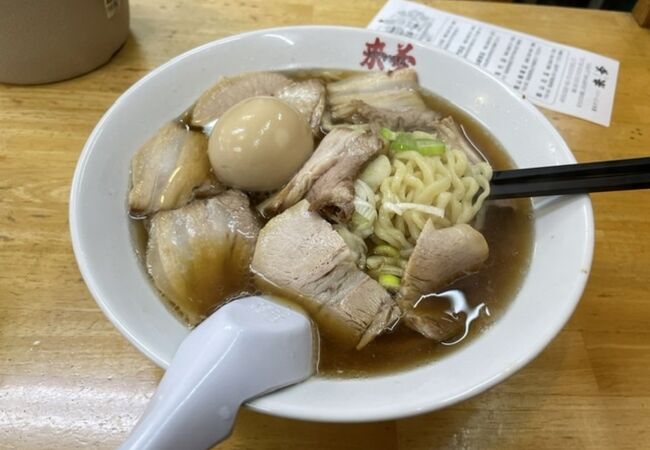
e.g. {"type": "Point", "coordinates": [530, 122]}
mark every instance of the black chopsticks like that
{"type": "Point", "coordinates": [582, 178]}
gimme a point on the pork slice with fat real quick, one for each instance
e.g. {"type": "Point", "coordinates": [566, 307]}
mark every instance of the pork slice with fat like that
{"type": "Point", "coordinates": [439, 258]}
{"type": "Point", "coordinates": [453, 136]}
{"type": "Point", "coordinates": [229, 91]}
{"type": "Point", "coordinates": [199, 255]}
{"type": "Point", "coordinates": [302, 257]}
{"type": "Point", "coordinates": [388, 99]}
{"type": "Point", "coordinates": [167, 169]}
{"type": "Point", "coordinates": [326, 178]}
{"type": "Point", "coordinates": [409, 119]}
{"type": "Point", "coordinates": [308, 98]}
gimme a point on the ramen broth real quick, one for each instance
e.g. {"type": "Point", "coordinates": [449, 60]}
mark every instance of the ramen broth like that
{"type": "Point", "coordinates": [508, 229]}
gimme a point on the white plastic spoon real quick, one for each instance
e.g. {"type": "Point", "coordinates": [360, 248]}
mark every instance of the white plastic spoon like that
{"type": "Point", "coordinates": [247, 348]}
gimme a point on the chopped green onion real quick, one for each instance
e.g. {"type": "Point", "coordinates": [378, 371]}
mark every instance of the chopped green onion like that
{"type": "Point", "coordinates": [365, 213]}
{"type": "Point", "coordinates": [390, 282]}
{"type": "Point", "coordinates": [402, 145]}
{"type": "Point", "coordinates": [388, 134]}
{"type": "Point", "coordinates": [430, 147]}
{"type": "Point", "coordinates": [374, 173]}
{"type": "Point", "coordinates": [374, 262]}
{"type": "Point", "coordinates": [386, 250]}
{"type": "Point", "coordinates": [392, 268]}
{"type": "Point", "coordinates": [417, 141]}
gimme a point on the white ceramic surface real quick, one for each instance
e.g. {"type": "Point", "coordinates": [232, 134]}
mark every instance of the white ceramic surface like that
{"type": "Point", "coordinates": [116, 278]}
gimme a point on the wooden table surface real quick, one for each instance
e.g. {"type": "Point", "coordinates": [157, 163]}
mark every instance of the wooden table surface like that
{"type": "Point", "coordinates": [69, 380]}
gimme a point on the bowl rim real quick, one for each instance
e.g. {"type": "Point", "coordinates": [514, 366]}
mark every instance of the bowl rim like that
{"type": "Point", "coordinates": [414, 409]}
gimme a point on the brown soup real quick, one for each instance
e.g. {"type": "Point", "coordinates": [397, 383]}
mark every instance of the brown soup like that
{"type": "Point", "coordinates": [508, 229]}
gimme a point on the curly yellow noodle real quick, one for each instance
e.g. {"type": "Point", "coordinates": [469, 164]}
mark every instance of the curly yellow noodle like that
{"type": "Point", "coordinates": [448, 182]}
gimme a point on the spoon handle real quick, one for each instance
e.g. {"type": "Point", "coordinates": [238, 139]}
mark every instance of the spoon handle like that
{"type": "Point", "coordinates": [247, 348]}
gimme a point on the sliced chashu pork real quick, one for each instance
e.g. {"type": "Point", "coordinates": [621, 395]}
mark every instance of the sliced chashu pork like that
{"type": "Point", "coordinates": [388, 99]}
{"type": "Point", "coordinates": [439, 257]}
{"type": "Point", "coordinates": [308, 97]}
{"type": "Point", "coordinates": [167, 169]}
{"type": "Point", "coordinates": [408, 119]}
{"type": "Point", "coordinates": [199, 255]}
{"type": "Point", "coordinates": [229, 91]}
{"type": "Point", "coordinates": [454, 137]}
{"type": "Point", "coordinates": [327, 177]}
{"type": "Point", "coordinates": [303, 258]}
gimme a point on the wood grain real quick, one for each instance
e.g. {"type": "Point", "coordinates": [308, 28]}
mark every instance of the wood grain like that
{"type": "Point", "coordinates": [68, 379]}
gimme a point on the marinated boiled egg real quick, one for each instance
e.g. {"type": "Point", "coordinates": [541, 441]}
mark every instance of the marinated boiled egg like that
{"type": "Point", "coordinates": [259, 144]}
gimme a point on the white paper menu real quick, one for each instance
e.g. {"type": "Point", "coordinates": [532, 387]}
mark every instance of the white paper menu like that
{"type": "Point", "coordinates": [554, 76]}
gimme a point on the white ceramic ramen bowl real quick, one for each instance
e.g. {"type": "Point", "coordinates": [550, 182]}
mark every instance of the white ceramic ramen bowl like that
{"type": "Point", "coordinates": [564, 229]}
